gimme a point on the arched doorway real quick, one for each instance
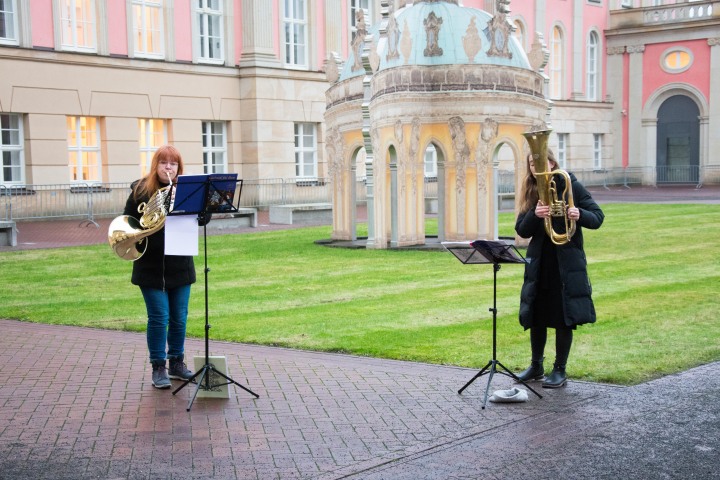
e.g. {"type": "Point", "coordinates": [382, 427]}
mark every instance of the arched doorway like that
{"type": "Point", "coordinates": [678, 141]}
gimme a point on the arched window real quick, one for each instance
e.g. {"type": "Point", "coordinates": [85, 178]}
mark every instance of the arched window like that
{"type": "Point", "coordinates": [592, 66]}
{"type": "Point", "coordinates": [556, 63]}
{"type": "Point", "coordinates": [520, 33]}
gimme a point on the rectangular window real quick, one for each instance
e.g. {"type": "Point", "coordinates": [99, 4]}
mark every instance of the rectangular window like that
{"type": "Point", "coordinates": [365, 6]}
{"type": "Point", "coordinates": [152, 136]}
{"type": "Point", "coordinates": [83, 149]}
{"type": "Point", "coordinates": [295, 32]}
{"type": "Point", "coordinates": [305, 150]}
{"type": "Point", "coordinates": [77, 18]}
{"type": "Point", "coordinates": [148, 28]}
{"type": "Point", "coordinates": [11, 149]}
{"type": "Point", "coordinates": [209, 18]}
{"type": "Point", "coordinates": [214, 147]}
{"type": "Point", "coordinates": [562, 150]}
{"type": "Point", "coordinates": [597, 151]}
{"type": "Point", "coordinates": [8, 22]}
{"type": "Point", "coordinates": [626, 4]}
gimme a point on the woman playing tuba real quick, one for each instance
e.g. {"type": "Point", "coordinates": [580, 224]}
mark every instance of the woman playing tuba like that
{"type": "Point", "coordinates": [556, 292]}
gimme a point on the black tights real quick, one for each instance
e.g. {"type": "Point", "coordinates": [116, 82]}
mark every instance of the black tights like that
{"type": "Point", "coordinates": [563, 342]}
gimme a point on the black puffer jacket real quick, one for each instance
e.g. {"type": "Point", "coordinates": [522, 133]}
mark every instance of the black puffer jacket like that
{"type": "Point", "coordinates": [155, 269]}
{"type": "Point", "coordinates": [576, 289]}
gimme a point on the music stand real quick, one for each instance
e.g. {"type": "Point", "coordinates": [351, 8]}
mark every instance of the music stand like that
{"type": "Point", "coordinates": [204, 195]}
{"type": "Point", "coordinates": [495, 252]}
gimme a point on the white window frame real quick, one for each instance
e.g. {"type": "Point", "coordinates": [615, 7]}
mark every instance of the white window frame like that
{"type": "Point", "coordinates": [212, 150]}
{"type": "Point", "coordinates": [146, 8]}
{"type": "Point", "coordinates": [561, 157]}
{"type": "Point", "coordinates": [82, 149]}
{"type": "Point", "coordinates": [366, 6]}
{"type": "Point", "coordinates": [430, 161]}
{"type": "Point", "coordinates": [148, 132]}
{"type": "Point", "coordinates": [10, 24]}
{"type": "Point", "coordinates": [626, 3]}
{"type": "Point", "coordinates": [204, 15]}
{"type": "Point", "coordinates": [301, 131]}
{"type": "Point", "coordinates": [16, 150]}
{"type": "Point", "coordinates": [593, 63]}
{"type": "Point", "coordinates": [291, 21]}
{"type": "Point", "coordinates": [556, 64]}
{"type": "Point", "coordinates": [71, 22]}
{"type": "Point", "coordinates": [597, 151]}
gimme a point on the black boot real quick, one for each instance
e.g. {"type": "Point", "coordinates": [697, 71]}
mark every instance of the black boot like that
{"type": "Point", "coordinates": [159, 374]}
{"type": "Point", "coordinates": [178, 369]}
{"type": "Point", "coordinates": [534, 372]}
{"type": "Point", "coordinates": [557, 378]}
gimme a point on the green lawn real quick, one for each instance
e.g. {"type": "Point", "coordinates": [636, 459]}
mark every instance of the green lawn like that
{"type": "Point", "coordinates": [655, 271]}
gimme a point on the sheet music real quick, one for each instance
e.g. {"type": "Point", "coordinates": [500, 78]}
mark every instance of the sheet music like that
{"type": "Point", "coordinates": [181, 235]}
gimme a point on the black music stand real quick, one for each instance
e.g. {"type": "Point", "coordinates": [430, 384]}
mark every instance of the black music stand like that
{"type": "Point", "coordinates": [204, 195]}
{"type": "Point", "coordinates": [495, 252]}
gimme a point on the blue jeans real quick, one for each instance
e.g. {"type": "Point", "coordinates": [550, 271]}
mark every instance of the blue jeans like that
{"type": "Point", "coordinates": [167, 312]}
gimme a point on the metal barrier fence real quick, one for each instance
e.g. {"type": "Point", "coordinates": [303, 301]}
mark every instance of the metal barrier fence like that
{"type": "Point", "coordinates": [88, 201]}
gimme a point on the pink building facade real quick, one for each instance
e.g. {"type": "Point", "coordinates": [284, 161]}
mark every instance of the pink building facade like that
{"type": "Point", "coordinates": [90, 88]}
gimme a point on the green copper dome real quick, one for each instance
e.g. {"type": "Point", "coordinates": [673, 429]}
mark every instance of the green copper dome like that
{"type": "Point", "coordinates": [435, 32]}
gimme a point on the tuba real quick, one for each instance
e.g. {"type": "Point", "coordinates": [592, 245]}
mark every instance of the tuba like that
{"type": "Point", "coordinates": [547, 188]}
{"type": "Point", "coordinates": [127, 234]}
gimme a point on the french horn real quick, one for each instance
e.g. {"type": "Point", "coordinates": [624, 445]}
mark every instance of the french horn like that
{"type": "Point", "coordinates": [127, 234]}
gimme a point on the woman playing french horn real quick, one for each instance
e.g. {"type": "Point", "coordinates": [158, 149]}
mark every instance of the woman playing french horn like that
{"type": "Point", "coordinates": [164, 280]}
{"type": "Point", "coordinates": [556, 292]}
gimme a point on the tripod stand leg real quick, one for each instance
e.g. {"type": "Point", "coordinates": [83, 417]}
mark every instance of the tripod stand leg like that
{"type": "Point", "coordinates": [487, 388]}
{"type": "Point", "coordinates": [478, 375]}
{"type": "Point", "coordinates": [510, 374]}
{"type": "Point", "coordinates": [203, 373]}
{"type": "Point", "coordinates": [234, 382]}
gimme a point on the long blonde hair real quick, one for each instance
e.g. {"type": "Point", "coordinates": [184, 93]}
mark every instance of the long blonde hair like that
{"type": "Point", "coordinates": [151, 183]}
{"type": "Point", "coordinates": [529, 193]}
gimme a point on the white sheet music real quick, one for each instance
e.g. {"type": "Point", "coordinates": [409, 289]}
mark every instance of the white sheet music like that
{"type": "Point", "coordinates": [181, 235]}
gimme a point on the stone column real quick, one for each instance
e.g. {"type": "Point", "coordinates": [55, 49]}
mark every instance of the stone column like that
{"type": "Point", "coordinates": [257, 34]}
{"type": "Point", "coordinates": [615, 68]}
{"type": "Point", "coordinates": [713, 127]}
{"type": "Point", "coordinates": [333, 26]}
{"type": "Point", "coordinates": [637, 152]}
{"type": "Point", "coordinates": [578, 45]}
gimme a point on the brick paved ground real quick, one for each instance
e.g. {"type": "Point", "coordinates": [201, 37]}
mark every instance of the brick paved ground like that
{"type": "Point", "coordinates": [77, 403]}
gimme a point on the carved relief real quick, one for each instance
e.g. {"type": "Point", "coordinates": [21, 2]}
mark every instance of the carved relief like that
{"type": "Point", "coordinates": [406, 42]}
{"type": "Point", "coordinates": [333, 65]}
{"type": "Point", "coordinates": [539, 54]}
{"type": "Point", "coordinates": [472, 43]}
{"type": "Point", "coordinates": [461, 149]}
{"type": "Point", "coordinates": [393, 36]}
{"type": "Point", "coordinates": [374, 57]}
{"type": "Point", "coordinates": [335, 151]}
{"type": "Point", "coordinates": [488, 132]}
{"type": "Point", "coordinates": [359, 39]}
{"type": "Point", "coordinates": [615, 50]}
{"type": "Point", "coordinates": [500, 30]}
{"type": "Point", "coordinates": [432, 28]}
{"type": "Point", "coordinates": [414, 147]}
{"type": "Point", "coordinates": [713, 41]}
{"type": "Point", "coordinates": [636, 49]}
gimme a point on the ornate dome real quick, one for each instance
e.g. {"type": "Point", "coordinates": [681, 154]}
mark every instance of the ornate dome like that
{"type": "Point", "coordinates": [437, 32]}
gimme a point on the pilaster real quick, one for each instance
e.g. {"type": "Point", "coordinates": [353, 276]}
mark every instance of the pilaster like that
{"type": "Point", "coordinates": [257, 34]}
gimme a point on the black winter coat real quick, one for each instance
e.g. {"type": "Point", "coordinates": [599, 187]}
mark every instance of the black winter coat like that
{"type": "Point", "coordinates": [155, 269]}
{"type": "Point", "coordinates": [575, 284]}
